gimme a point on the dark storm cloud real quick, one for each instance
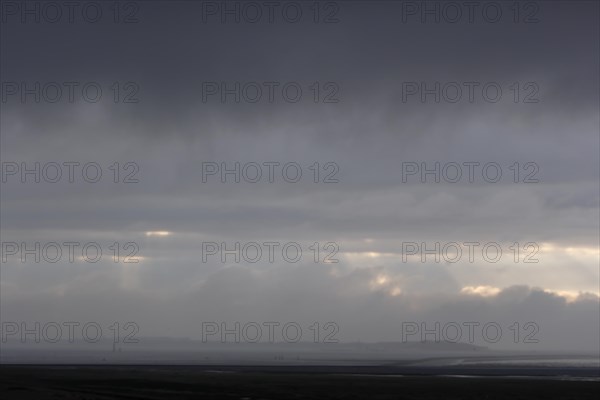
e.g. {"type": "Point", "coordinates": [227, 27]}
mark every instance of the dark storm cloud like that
{"type": "Point", "coordinates": [369, 133]}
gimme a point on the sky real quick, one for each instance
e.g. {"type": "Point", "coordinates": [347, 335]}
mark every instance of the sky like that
{"type": "Point", "coordinates": [368, 101]}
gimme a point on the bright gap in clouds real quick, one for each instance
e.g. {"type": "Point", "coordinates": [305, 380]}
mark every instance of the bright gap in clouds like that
{"type": "Point", "coordinates": [158, 233]}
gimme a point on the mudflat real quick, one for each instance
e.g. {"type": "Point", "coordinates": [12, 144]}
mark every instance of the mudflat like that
{"type": "Point", "coordinates": [198, 382]}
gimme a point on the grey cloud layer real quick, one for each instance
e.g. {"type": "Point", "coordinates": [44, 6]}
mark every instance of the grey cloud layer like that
{"type": "Point", "coordinates": [369, 134]}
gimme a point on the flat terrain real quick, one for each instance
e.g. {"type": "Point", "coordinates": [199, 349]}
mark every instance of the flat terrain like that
{"type": "Point", "coordinates": [197, 382]}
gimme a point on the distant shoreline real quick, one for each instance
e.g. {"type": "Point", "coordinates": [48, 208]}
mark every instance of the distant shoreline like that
{"type": "Point", "coordinates": [347, 370]}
